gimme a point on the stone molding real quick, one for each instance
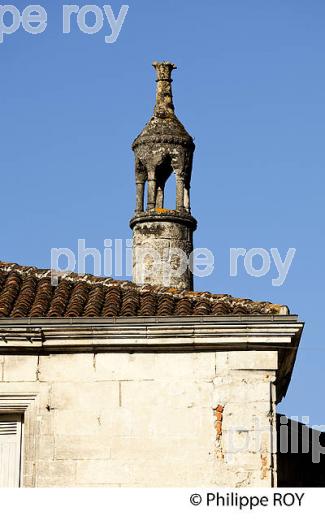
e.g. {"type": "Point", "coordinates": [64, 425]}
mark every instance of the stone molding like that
{"type": "Point", "coordinates": [16, 403]}
{"type": "Point", "coordinates": [69, 336]}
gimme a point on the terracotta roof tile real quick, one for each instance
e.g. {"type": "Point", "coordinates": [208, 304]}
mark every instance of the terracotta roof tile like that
{"type": "Point", "coordinates": [78, 300]}
{"type": "Point", "coordinates": [202, 308]}
{"type": "Point", "coordinates": [165, 304]}
{"type": "Point", "coordinates": [183, 307]}
{"type": "Point", "coordinates": [28, 292]}
{"type": "Point", "coordinates": [9, 293]}
{"type": "Point", "coordinates": [60, 300]}
{"type": "Point", "coordinates": [221, 307]}
{"type": "Point", "coordinates": [112, 302]}
{"type": "Point", "coordinates": [95, 302]}
{"type": "Point", "coordinates": [130, 301]}
{"type": "Point", "coordinates": [24, 301]}
{"type": "Point", "coordinates": [43, 298]}
{"type": "Point", "coordinates": [148, 303]}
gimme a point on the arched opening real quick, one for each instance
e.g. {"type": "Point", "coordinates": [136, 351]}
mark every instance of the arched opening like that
{"type": "Point", "coordinates": [145, 196]}
{"type": "Point", "coordinates": [165, 196]}
{"type": "Point", "coordinates": [170, 192]}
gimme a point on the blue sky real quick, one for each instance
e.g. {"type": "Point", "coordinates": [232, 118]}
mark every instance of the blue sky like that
{"type": "Point", "coordinates": [250, 87]}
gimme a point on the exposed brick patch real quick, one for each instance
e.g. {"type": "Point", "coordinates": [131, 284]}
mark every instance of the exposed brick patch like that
{"type": "Point", "coordinates": [218, 413]}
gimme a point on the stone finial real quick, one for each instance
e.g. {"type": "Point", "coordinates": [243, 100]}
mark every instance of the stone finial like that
{"type": "Point", "coordinates": [164, 96]}
{"type": "Point", "coordinates": [164, 69]}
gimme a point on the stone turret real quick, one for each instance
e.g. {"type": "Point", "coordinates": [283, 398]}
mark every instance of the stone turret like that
{"type": "Point", "coordinates": [162, 237]}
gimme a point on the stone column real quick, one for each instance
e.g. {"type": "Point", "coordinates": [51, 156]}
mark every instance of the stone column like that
{"type": "Point", "coordinates": [179, 193]}
{"type": "Point", "coordinates": [151, 191]}
{"type": "Point", "coordinates": [160, 197]}
{"type": "Point", "coordinates": [139, 196]}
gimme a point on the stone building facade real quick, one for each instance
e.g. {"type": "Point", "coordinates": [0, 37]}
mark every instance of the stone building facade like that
{"type": "Point", "coordinates": [116, 383]}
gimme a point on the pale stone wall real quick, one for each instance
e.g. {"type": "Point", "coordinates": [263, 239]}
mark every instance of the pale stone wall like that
{"type": "Point", "coordinates": [167, 419]}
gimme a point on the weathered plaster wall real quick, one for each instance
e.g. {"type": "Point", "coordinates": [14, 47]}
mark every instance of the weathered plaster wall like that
{"type": "Point", "coordinates": [118, 419]}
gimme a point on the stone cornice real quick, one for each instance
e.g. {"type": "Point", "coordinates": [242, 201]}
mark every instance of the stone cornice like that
{"type": "Point", "coordinates": [134, 333]}
{"type": "Point", "coordinates": [163, 216]}
{"type": "Point", "coordinates": [71, 336]}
